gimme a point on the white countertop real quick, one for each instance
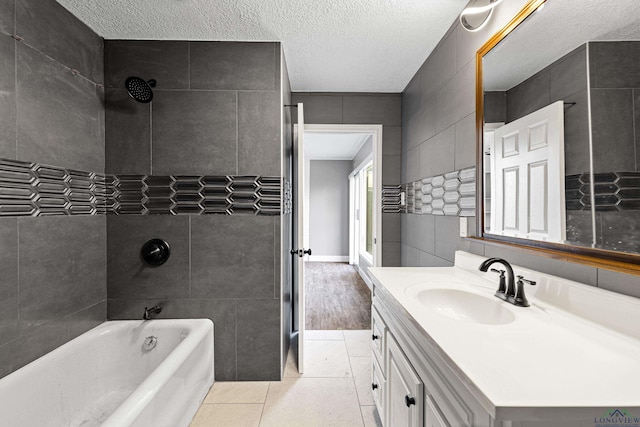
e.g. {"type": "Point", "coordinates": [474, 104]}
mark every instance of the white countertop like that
{"type": "Point", "coordinates": [573, 347]}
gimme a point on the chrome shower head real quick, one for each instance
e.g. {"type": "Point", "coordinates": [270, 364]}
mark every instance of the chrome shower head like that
{"type": "Point", "coordinates": [139, 89]}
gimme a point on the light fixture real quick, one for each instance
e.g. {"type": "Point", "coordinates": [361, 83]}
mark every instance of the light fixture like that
{"type": "Point", "coordinates": [478, 10]}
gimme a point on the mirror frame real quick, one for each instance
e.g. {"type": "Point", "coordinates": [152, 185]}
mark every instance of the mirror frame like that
{"type": "Point", "coordinates": [600, 258]}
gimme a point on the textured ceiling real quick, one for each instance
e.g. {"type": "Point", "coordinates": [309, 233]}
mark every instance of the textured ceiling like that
{"type": "Point", "coordinates": [555, 30]}
{"type": "Point", "coordinates": [330, 45]}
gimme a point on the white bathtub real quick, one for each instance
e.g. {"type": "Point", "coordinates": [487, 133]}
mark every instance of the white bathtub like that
{"type": "Point", "coordinates": [107, 378]}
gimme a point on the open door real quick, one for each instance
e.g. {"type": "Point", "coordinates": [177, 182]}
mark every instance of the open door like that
{"type": "Point", "coordinates": [298, 226]}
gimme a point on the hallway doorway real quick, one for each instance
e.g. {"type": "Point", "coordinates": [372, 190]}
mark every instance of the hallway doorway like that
{"type": "Point", "coordinates": [326, 157]}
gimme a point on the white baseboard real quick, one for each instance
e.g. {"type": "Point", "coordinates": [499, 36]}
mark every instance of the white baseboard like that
{"type": "Point", "coordinates": [328, 258]}
{"type": "Point", "coordinates": [366, 278]}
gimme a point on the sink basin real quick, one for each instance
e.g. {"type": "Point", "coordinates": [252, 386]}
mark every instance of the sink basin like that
{"type": "Point", "coordinates": [465, 306]}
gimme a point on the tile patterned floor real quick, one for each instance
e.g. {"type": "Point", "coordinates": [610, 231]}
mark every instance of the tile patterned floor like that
{"type": "Point", "coordinates": [335, 390]}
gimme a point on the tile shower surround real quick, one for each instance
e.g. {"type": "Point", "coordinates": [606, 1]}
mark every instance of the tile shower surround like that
{"type": "Point", "coordinates": [189, 162]}
{"type": "Point", "coordinates": [52, 268]}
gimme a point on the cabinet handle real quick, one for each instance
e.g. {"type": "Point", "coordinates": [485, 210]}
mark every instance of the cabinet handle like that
{"type": "Point", "coordinates": [374, 386]}
{"type": "Point", "coordinates": [374, 337]}
{"type": "Point", "coordinates": [409, 401]}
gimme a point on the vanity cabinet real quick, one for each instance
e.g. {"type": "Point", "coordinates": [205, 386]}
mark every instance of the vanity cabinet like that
{"type": "Point", "coordinates": [409, 389]}
{"type": "Point", "coordinates": [443, 349]}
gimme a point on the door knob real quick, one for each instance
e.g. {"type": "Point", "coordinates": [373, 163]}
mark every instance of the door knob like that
{"type": "Point", "coordinates": [300, 252]}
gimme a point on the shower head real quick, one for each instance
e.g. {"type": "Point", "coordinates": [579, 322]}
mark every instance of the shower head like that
{"type": "Point", "coordinates": [139, 89]}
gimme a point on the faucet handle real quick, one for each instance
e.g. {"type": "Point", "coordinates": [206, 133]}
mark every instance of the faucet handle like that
{"type": "Point", "coordinates": [502, 289]}
{"type": "Point", "coordinates": [528, 282]}
{"type": "Point", "coordinates": [520, 300]}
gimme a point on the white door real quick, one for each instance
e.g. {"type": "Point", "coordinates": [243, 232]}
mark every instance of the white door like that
{"type": "Point", "coordinates": [527, 177]}
{"type": "Point", "coordinates": [299, 252]}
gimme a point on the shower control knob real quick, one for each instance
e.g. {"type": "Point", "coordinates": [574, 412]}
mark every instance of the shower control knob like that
{"type": "Point", "coordinates": [155, 252]}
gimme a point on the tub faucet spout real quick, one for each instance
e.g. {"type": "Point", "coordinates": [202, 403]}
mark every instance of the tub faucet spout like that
{"type": "Point", "coordinates": [148, 312]}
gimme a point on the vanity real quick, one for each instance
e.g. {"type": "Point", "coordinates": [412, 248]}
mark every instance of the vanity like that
{"type": "Point", "coordinates": [447, 352]}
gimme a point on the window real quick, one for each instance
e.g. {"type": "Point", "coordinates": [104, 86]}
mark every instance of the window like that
{"type": "Point", "coordinates": [364, 211]}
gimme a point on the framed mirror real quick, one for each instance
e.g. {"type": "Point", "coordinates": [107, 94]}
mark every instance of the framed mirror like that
{"type": "Point", "coordinates": [558, 125]}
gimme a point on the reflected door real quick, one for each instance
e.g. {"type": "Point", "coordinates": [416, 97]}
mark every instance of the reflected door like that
{"type": "Point", "coordinates": [527, 177]}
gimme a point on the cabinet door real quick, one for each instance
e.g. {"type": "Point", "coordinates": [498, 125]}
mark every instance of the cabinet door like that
{"type": "Point", "coordinates": [404, 390]}
{"type": "Point", "coordinates": [432, 415]}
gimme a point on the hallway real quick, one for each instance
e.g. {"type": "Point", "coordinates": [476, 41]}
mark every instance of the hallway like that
{"type": "Point", "coordinates": [336, 297]}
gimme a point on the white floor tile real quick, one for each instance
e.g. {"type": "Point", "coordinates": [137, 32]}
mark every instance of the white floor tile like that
{"type": "Point", "coordinates": [326, 359]}
{"type": "Point", "coordinates": [370, 416]}
{"type": "Point", "coordinates": [228, 415]}
{"type": "Point", "coordinates": [361, 368]}
{"type": "Point", "coordinates": [336, 382]}
{"type": "Point", "coordinates": [358, 342]}
{"type": "Point", "coordinates": [323, 335]}
{"type": "Point", "coordinates": [312, 402]}
{"type": "Point", "coordinates": [238, 392]}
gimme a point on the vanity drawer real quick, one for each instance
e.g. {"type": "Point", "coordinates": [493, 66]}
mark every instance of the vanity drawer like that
{"type": "Point", "coordinates": [378, 338]}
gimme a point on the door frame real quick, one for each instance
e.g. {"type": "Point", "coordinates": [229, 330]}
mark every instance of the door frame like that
{"type": "Point", "coordinates": [376, 132]}
{"type": "Point", "coordinates": [298, 291]}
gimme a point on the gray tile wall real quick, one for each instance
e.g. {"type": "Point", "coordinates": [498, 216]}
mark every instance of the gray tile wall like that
{"type": "Point", "coordinates": [51, 112]}
{"type": "Point", "coordinates": [440, 97]}
{"type": "Point", "coordinates": [565, 79]}
{"type": "Point", "coordinates": [366, 108]}
{"type": "Point", "coordinates": [615, 102]}
{"type": "Point", "coordinates": [216, 111]}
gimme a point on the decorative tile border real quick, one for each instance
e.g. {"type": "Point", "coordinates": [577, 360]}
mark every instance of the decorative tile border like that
{"type": "Point", "coordinates": [287, 199]}
{"type": "Point", "coordinates": [614, 191]}
{"type": "Point", "coordinates": [391, 199]}
{"type": "Point", "coordinates": [196, 195]}
{"type": "Point", "coordinates": [450, 194]}
{"type": "Point", "coordinates": [32, 189]}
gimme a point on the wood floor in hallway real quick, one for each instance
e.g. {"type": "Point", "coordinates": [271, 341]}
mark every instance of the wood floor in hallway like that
{"type": "Point", "coordinates": [336, 297]}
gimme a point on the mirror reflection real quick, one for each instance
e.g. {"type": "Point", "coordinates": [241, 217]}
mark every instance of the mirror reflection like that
{"type": "Point", "coordinates": [562, 127]}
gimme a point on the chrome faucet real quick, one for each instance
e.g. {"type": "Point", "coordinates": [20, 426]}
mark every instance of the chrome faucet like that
{"type": "Point", "coordinates": [512, 294]}
{"type": "Point", "coordinates": [150, 311]}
